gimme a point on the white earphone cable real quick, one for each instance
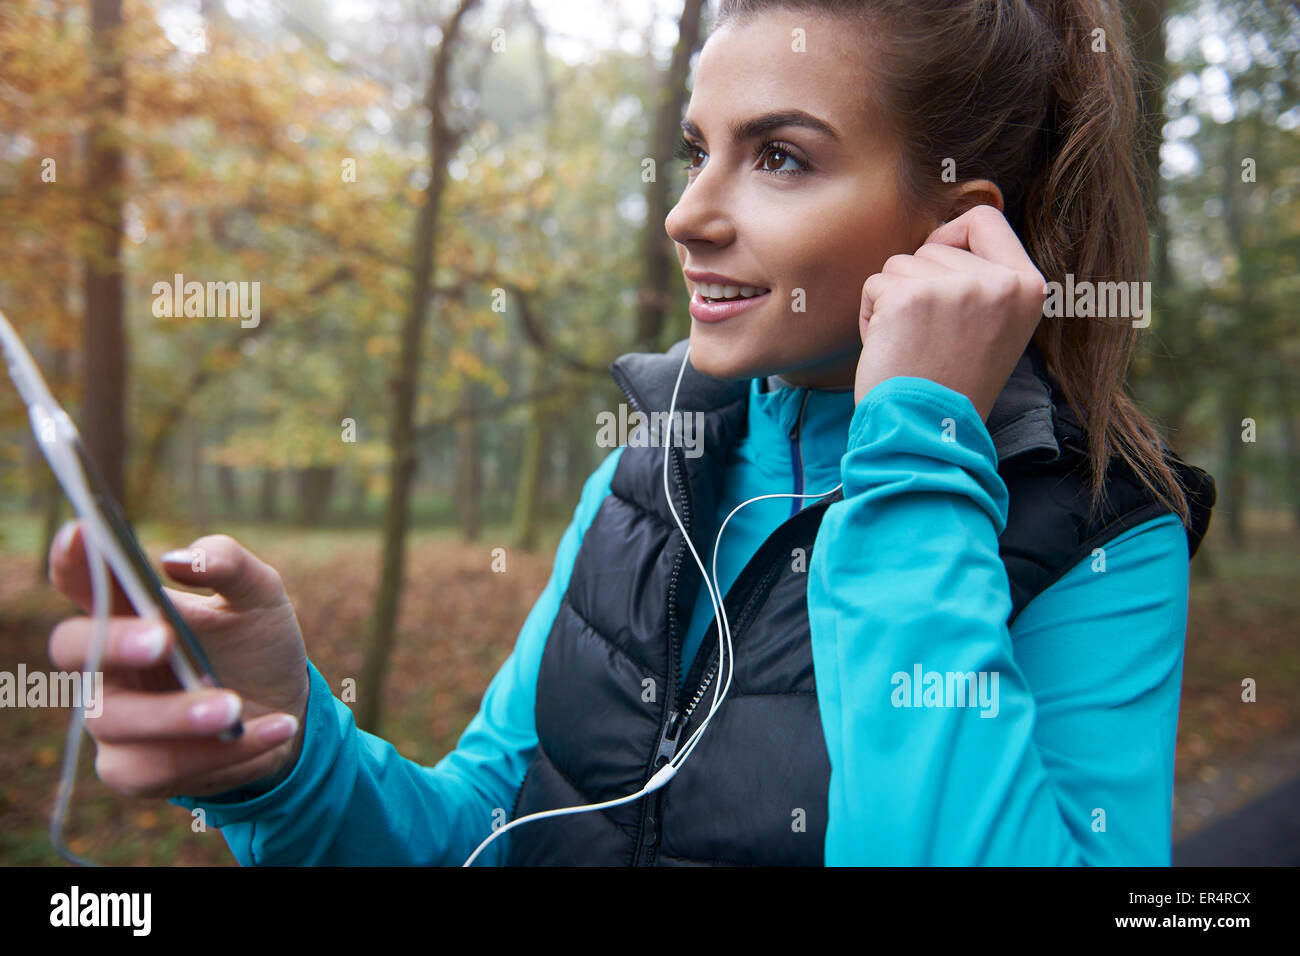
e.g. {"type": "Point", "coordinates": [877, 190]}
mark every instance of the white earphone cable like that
{"type": "Point", "coordinates": [669, 770]}
{"type": "Point", "coordinates": [100, 597]}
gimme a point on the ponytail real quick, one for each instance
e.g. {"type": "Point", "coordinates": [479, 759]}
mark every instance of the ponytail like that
{"type": "Point", "coordinates": [1085, 216]}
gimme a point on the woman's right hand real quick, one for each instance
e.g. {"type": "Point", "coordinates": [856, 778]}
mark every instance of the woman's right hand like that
{"type": "Point", "coordinates": [152, 737]}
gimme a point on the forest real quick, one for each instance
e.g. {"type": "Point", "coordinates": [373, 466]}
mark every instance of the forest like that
{"type": "Point", "coordinates": [343, 279]}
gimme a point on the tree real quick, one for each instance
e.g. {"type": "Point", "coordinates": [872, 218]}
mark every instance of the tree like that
{"type": "Point", "coordinates": [424, 250]}
{"type": "Point", "coordinates": [657, 261]}
{"type": "Point", "coordinates": [104, 412]}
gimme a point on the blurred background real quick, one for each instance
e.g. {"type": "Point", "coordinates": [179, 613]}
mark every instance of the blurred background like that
{"type": "Point", "coordinates": [447, 210]}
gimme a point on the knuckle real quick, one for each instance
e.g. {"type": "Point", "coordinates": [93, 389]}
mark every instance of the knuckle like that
{"type": "Point", "coordinates": [217, 543]}
{"type": "Point", "coordinates": [150, 781]}
{"type": "Point", "coordinates": [64, 639]}
{"type": "Point", "coordinates": [971, 291]}
{"type": "Point", "coordinates": [1004, 286]}
{"type": "Point", "coordinates": [1034, 287]}
{"type": "Point", "coordinates": [273, 576]}
{"type": "Point", "coordinates": [131, 775]}
{"type": "Point", "coordinates": [914, 295]}
{"type": "Point", "coordinates": [115, 771]}
{"type": "Point", "coordinates": [895, 261]}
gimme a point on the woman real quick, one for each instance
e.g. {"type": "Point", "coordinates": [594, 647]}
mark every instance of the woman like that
{"type": "Point", "coordinates": [969, 653]}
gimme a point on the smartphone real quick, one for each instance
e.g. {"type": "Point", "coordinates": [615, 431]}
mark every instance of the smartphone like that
{"type": "Point", "coordinates": [189, 647]}
{"type": "Point", "coordinates": [92, 501]}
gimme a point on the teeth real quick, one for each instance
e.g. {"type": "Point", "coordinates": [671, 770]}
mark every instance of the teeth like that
{"type": "Point", "coordinates": [713, 290]}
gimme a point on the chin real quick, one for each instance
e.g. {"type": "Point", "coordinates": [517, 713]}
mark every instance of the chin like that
{"type": "Point", "coordinates": [722, 359]}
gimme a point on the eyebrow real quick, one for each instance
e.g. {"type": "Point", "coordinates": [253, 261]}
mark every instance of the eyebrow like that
{"type": "Point", "coordinates": [766, 122]}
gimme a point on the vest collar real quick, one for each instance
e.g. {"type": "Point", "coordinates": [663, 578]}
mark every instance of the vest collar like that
{"type": "Point", "coordinates": [1022, 421]}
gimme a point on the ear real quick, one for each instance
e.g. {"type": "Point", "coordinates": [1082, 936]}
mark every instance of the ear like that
{"type": "Point", "coordinates": [971, 193]}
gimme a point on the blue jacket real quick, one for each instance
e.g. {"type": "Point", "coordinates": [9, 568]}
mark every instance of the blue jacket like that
{"type": "Point", "coordinates": [1079, 770]}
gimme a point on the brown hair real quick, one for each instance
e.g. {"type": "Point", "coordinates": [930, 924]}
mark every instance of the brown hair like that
{"type": "Point", "coordinates": [1030, 96]}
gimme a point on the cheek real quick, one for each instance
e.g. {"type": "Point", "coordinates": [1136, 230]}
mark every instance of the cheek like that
{"type": "Point", "coordinates": [827, 242]}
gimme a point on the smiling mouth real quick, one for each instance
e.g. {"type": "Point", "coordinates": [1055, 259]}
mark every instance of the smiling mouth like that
{"type": "Point", "coordinates": [713, 292]}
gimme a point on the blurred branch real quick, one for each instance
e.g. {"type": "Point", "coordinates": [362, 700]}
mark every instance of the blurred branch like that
{"type": "Point", "coordinates": [544, 396]}
{"type": "Point", "coordinates": [173, 413]}
{"type": "Point", "coordinates": [537, 335]}
{"type": "Point", "coordinates": [313, 41]}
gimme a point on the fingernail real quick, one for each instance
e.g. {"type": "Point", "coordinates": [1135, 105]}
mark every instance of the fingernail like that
{"type": "Point", "coordinates": [216, 712]}
{"type": "Point", "coordinates": [278, 729]}
{"type": "Point", "coordinates": [144, 647]}
{"type": "Point", "coordinates": [64, 537]}
{"type": "Point", "coordinates": [179, 556]}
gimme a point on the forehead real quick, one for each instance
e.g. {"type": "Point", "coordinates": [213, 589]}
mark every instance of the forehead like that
{"type": "Point", "coordinates": [783, 59]}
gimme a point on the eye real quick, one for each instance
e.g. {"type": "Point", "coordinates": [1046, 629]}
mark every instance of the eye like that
{"type": "Point", "coordinates": [688, 152]}
{"type": "Point", "coordinates": [785, 154]}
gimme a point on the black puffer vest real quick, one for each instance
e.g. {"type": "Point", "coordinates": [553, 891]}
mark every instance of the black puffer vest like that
{"type": "Point", "coordinates": [630, 597]}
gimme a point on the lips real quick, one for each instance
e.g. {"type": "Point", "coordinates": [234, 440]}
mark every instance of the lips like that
{"type": "Point", "coordinates": [715, 287]}
{"type": "Point", "coordinates": [710, 310]}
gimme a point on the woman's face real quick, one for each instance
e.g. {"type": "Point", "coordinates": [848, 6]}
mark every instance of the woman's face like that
{"type": "Point", "coordinates": [807, 213]}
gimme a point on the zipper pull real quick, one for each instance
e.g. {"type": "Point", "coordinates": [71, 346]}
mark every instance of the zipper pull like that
{"type": "Point", "coordinates": [669, 741]}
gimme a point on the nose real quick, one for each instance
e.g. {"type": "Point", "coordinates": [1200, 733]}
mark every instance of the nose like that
{"type": "Point", "coordinates": [700, 214]}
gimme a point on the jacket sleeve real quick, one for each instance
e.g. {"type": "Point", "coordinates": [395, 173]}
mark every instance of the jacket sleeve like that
{"type": "Point", "coordinates": [1067, 757]}
{"type": "Point", "coordinates": [353, 799]}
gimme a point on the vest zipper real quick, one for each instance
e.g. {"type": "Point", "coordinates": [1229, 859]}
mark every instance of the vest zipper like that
{"type": "Point", "coordinates": [675, 720]}
{"type": "Point", "coordinates": [669, 736]}
{"type": "Point", "coordinates": [704, 686]}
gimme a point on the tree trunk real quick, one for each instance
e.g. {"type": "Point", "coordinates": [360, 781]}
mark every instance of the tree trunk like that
{"type": "Point", "coordinates": [314, 487]}
{"type": "Point", "coordinates": [103, 415]}
{"type": "Point", "coordinates": [469, 484]}
{"type": "Point", "coordinates": [424, 249]}
{"type": "Point", "coordinates": [1234, 471]}
{"type": "Point", "coordinates": [1149, 45]}
{"type": "Point", "coordinates": [228, 488]}
{"type": "Point", "coordinates": [1290, 448]}
{"type": "Point", "coordinates": [536, 441]}
{"type": "Point", "coordinates": [357, 503]}
{"type": "Point", "coordinates": [656, 256]}
{"type": "Point", "coordinates": [198, 504]}
{"type": "Point", "coordinates": [268, 497]}
{"type": "Point", "coordinates": [577, 463]}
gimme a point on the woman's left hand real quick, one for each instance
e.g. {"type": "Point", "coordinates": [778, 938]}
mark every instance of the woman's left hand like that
{"type": "Point", "coordinates": [959, 311]}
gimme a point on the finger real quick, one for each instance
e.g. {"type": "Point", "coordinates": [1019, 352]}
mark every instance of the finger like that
{"type": "Point", "coordinates": [916, 268]}
{"type": "Point", "coordinates": [238, 775]}
{"type": "Point", "coordinates": [129, 716]}
{"type": "Point", "coordinates": [881, 287]}
{"type": "Point", "coordinates": [70, 571]}
{"type": "Point", "coordinates": [165, 769]}
{"type": "Point", "coordinates": [985, 232]}
{"type": "Point", "coordinates": [958, 260]}
{"type": "Point", "coordinates": [130, 643]}
{"type": "Point", "coordinates": [219, 562]}
{"type": "Point", "coordinates": [874, 289]}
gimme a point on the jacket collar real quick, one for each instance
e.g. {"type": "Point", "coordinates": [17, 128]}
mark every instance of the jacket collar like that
{"type": "Point", "coordinates": [1022, 420]}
